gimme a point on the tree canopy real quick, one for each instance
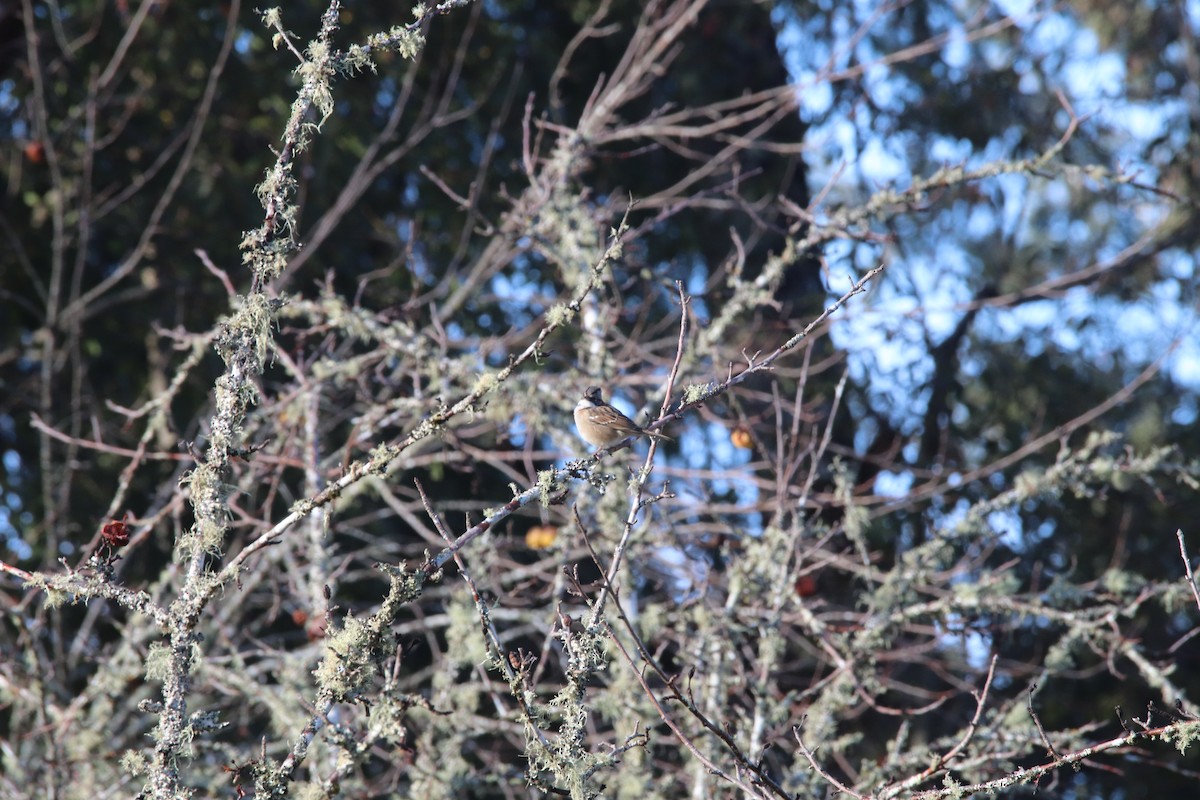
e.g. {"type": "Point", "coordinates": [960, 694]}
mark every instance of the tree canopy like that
{"type": "Point", "coordinates": [297, 304]}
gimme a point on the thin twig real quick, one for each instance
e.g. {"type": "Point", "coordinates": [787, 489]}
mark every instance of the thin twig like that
{"type": "Point", "coordinates": [1187, 567]}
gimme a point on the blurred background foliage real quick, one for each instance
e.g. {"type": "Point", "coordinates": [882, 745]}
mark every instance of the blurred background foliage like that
{"type": "Point", "coordinates": [1013, 306]}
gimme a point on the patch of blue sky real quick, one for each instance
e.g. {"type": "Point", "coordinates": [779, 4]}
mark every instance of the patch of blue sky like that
{"type": "Point", "coordinates": [1149, 214]}
{"type": "Point", "coordinates": [706, 449]}
{"type": "Point", "coordinates": [18, 547]}
{"type": "Point", "coordinates": [1053, 33]}
{"type": "Point", "coordinates": [956, 52]}
{"type": "Point", "coordinates": [518, 430]}
{"type": "Point", "coordinates": [949, 150]}
{"type": "Point", "coordinates": [1186, 410]}
{"type": "Point", "coordinates": [934, 286]}
{"type": "Point", "coordinates": [894, 484]}
{"type": "Point", "coordinates": [792, 40]}
{"type": "Point", "coordinates": [244, 40]}
{"type": "Point", "coordinates": [687, 575]}
{"type": "Point", "coordinates": [1090, 75]}
{"type": "Point", "coordinates": [411, 192]}
{"type": "Point", "coordinates": [1015, 8]}
{"type": "Point", "coordinates": [866, 430]}
{"type": "Point", "coordinates": [945, 520]}
{"type": "Point", "coordinates": [9, 102]}
{"type": "Point", "coordinates": [1144, 121]}
{"type": "Point", "coordinates": [694, 284]}
{"type": "Point", "coordinates": [888, 90]}
{"type": "Point", "coordinates": [11, 522]}
{"type": "Point", "coordinates": [1012, 192]}
{"type": "Point", "coordinates": [1184, 367]}
{"type": "Point", "coordinates": [976, 647]}
{"type": "Point", "coordinates": [12, 477]}
{"type": "Point", "coordinates": [386, 95]}
{"type": "Point", "coordinates": [857, 333]}
{"type": "Point", "coordinates": [520, 297]}
{"type": "Point", "coordinates": [982, 222]}
{"type": "Point", "coordinates": [1181, 265]}
{"type": "Point", "coordinates": [1008, 528]}
{"type": "Point", "coordinates": [836, 141]}
{"type": "Point", "coordinates": [882, 161]}
{"type": "Point", "coordinates": [814, 96]}
{"type": "Point", "coordinates": [12, 501]}
{"type": "Point", "coordinates": [1013, 325]}
{"type": "Point", "coordinates": [11, 458]}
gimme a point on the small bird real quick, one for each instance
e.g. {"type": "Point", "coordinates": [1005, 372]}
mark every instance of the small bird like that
{"type": "Point", "coordinates": [602, 425]}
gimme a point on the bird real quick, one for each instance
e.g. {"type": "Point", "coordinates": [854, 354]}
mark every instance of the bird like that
{"type": "Point", "coordinates": [602, 425]}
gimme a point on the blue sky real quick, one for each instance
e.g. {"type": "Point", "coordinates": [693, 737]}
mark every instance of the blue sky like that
{"type": "Point", "coordinates": [928, 283]}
